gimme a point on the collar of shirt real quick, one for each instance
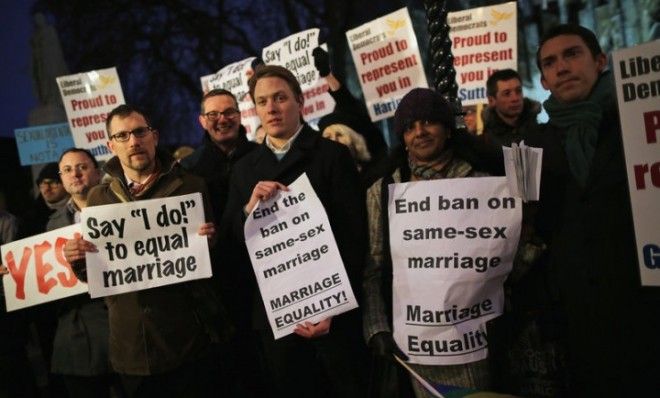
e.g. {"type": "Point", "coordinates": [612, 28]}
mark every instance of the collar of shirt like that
{"type": "Point", "coordinates": [279, 153]}
{"type": "Point", "coordinates": [73, 209]}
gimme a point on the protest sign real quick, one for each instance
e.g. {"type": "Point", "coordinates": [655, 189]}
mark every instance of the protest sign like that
{"type": "Point", "coordinates": [386, 56]}
{"type": "Point", "coordinates": [295, 257]}
{"type": "Point", "coordinates": [145, 244]}
{"type": "Point", "coordinates": [88, 97]}
{"type": "Point", "coordinates": [234, 78]}
{"type": "Point", "coordinates": [453, 242]}
{"type": "Point", "coordinates": [483, 40]}
{"type": "Point", "coordinates": [295, 53]}
{"type": "Point", "coordinates": [38, 272]}
{"type": "Point", "coordinates": [42, 144]}
{"type": "Point", "coordinates": [637, 76]}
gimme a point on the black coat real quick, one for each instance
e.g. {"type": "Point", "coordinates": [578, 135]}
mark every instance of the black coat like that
{"type": "Point", "coordinates": [610, 318]}
{"type": "Point", "coordinates": [334, 177]}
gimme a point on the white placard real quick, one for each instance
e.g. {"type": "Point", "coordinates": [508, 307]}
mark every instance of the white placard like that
{"type": "Point", "coordinates": [453, 242]}
{"type": "Point", "coordinates": [484, 40]}
{"type": "Point", "coordinates": [88, 98]}
{"type": "Point", "coordinates": [295, 257]}
{"type": "Point", "coordinates": [145, 244]}
{"type": "Point", "coordinates": [38, 272]}
{"type": "Point", "coordinates": [387, 60]}
{"type": "Point", "coordinates": [295, 53]}
{"type": "Point", "coordinates": [637, 73]}
{"type": "Point", "coordinates": [234, 78]}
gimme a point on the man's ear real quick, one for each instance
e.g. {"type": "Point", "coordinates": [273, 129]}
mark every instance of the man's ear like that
{"type": "Point", "coordinates": [155, 133]}
{"type": "Point", "coordinates": [202, 119]}
{"type": "Point", "coordinates": [601, 62]}
{"type": "Point", "coordinates": [544, 83]}
{"type": "Point", "coordinates": [110, 145]}
{"type": "Point", "coordinates": [491, 101]}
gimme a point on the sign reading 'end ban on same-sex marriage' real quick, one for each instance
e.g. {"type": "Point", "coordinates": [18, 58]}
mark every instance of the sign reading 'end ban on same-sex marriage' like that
{"type": "Point", "coordinates": [295, 257]}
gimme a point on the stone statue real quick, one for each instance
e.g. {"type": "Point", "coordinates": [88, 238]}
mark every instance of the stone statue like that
{"type": "Point", "coordinates": [47, 63]}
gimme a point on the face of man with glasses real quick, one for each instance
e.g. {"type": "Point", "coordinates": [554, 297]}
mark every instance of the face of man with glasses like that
{"type": "Point", "coordinates": [78, 173]}
{"type": "Point", "coordinates": [52, 190]}
{"type": "Point", "coordinates": [221, 119]}
{"type": "Point", "coordinates": [134, 143]}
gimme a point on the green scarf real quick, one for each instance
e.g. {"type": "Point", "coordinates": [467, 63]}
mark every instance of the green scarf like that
{"type": "Point", "coordinates": [581, 120]}
{"type": "Point", "coordinates": [431, 171]}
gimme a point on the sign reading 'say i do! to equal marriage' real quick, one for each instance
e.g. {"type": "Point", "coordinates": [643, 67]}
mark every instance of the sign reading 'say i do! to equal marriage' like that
{"type": "Point", "coordinates": [295, 257]}
{"type": "Point", "coordinates": [145, 244]}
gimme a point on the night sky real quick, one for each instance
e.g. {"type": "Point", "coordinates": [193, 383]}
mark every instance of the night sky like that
{"type": "Point", "coordinates": [16, 95]}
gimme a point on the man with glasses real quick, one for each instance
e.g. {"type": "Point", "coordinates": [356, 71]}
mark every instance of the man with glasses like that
{"type": "Point", "coordinates": [161, 339]}
{"type": "Point", "coordinates": [52, 196]}
{"type": "Point", "coordinates": [80, 346]}
{"type": "Point", "coordinates": [224, 143]}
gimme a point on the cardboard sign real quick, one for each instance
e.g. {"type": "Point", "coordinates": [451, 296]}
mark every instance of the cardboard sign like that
{"type": "Point", "coordinates": [295, 53]}
{"type": "Point", "coordinates": [38, 272]}
{"type": "Point", "coordinates": [637, 72]}
{"type": "Point", "coordinates": [42, 144]}
{"type": "Point", "coordinates": [388, 62]}
{"type": "Point", "coordinates": [88, 98]}
{"type": "Point", "coordinates": [484, 40]}
{"type": "Point", "coordinates": [145, 244]}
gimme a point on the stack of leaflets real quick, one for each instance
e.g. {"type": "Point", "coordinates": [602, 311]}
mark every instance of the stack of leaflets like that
{"type": "Point", "coordinates": [522, 165]}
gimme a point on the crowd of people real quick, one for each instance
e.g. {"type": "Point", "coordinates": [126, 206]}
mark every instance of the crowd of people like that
{"type": "Point", "coordinates": [577, 321]}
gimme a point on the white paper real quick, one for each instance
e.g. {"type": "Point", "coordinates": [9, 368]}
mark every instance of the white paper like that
{"type": "Point", "coordinates": [145, 244]}
{"type": "Point", "coordinates": [88, 97]}
{"type": "Point", "coordinates": [294, 52]}
{"type": "Point", "coordinates": [522, 165]}
{"type": "Point", "coordinates": [38, 271]}
{"type": "Point", "coordinates": [639, 109]}
{"type": "Point", "coordinates": [453, 242]}
{"type": "Point", "coordinates": [484, 39]}
{"type": "Point", "coordinates": [295, 258]}
{"type": "Point", "coordinates": [388, 63]}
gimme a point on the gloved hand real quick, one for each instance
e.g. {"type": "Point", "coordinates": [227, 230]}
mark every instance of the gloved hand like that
{"type": "Point", "coordinates": [321, 61]}
{"type": "Point", "coordinates": [382, 344]}
{"type": "Point", "coordinates": [256, 62]}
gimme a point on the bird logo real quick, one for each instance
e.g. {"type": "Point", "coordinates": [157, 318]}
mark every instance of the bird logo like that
{"type": "Point", "coordinates": [498, 17]}
{"type": "Point", "coordinates": [105, 81]}
{"type": "Point", "coordinates": [393, 25]}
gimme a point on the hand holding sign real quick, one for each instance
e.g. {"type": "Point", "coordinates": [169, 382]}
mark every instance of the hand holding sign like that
{"type": "Point", "coordinates": [310, 330]}
{"type": "Point", "coordinates": [300, 272]}
{"type": "Point", "coordinates": [263, 191]}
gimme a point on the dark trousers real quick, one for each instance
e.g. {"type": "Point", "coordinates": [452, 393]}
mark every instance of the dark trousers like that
{"type": "Point", "coordinates": [88, 386]}
{"type": "Point", "coordinates": [201, 378]}
{"type": "Point", "coordinates": [334, 365]}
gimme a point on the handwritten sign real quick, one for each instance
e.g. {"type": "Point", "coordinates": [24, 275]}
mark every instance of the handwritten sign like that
{"type": "Point", "coordinates": [38, 272]}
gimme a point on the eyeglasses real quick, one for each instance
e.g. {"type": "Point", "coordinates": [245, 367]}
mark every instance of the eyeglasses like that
{"type": "Point", "coordinates": [81, 167]}
{"type": "Point", "coordinates": [229, 113]}
{"type": "Point", "coordinates": [139, 132]}
{"type": "Point", "coordinates": [48, 182]}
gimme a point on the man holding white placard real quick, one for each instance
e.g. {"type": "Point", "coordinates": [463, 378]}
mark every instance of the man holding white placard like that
{"type": "Point", "coordinates": [331, 349]}
{"type": "Point", "coordinates": [161, 339]}
{"type": "Point", "coordinates": [585, 215]}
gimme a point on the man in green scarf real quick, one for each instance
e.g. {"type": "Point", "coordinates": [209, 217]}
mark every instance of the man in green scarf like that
{"type": "Point", "coordinates": [611, 324]}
